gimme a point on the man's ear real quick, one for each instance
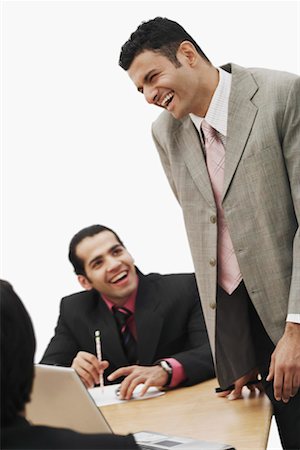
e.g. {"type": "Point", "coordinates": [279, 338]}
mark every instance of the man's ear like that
{"type": "Point", "coordinates": [187, 50]}
{"type": "Point", "coordinates": [84, 282]}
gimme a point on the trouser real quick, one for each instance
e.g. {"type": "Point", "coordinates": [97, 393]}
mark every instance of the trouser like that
{"type": "Point", "coordinates": [249, 342]}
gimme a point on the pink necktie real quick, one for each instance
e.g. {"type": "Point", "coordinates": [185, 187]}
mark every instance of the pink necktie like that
{"type": "Point", "coordinates": [229, 275]}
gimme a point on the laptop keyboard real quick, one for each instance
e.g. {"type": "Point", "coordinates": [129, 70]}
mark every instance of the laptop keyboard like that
{"type": "Point", "coordinates": [146, 447]}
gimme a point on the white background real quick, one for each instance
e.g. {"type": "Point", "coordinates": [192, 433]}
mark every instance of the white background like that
{"type": "Point", "coordinates": [75, 134]}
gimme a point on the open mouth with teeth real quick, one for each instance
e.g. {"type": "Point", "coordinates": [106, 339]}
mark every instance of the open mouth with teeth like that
{"type": "Point", "coordinates": [120, 277]}
{"type": "Point", "coordinates": [167, 99]}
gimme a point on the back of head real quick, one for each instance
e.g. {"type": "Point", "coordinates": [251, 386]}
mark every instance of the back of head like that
{"type": "Point", "coordinates": [17, 354]}
{"type": "Point", "coordinates": [159, 35]}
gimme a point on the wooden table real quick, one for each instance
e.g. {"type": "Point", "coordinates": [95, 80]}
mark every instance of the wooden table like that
{"type": "Point", "coordinates": [198, 413]}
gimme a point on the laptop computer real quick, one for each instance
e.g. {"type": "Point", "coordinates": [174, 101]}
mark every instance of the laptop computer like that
{"type": "Point", "coordinates": [60, 399]}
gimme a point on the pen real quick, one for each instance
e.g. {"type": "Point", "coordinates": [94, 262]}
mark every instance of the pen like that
{"type": "Point", "coordinates": [99, 356]}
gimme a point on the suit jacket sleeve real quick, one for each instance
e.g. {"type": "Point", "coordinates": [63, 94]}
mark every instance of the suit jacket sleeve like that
{"type": "Point", "coordinates": [197, 358]}
{"type": "Point", "coordinates": [184, 335]}
{"type": "Point", "coordinates": [291, 146]}
{"type": "Point", "coordinates": [63, 347]}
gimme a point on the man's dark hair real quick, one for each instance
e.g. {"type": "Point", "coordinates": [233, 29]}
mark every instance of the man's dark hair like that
{"type": "Point", "coordinates": [159, 35]}
{"type": "Point", "coordinates": [82, 234]}
{"type": "Point", "coordinates": [17, 355]}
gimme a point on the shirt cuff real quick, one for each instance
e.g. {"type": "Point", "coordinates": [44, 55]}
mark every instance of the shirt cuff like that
{"type": "Point", "coordinates": [293, 318]}
{"type": "Point", "coordinates": [178, 375]}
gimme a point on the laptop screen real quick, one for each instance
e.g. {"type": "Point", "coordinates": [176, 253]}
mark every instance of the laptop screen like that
{"type": "Point", "coordinates": [60, 399]}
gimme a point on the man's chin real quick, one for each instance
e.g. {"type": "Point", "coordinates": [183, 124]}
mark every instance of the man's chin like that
{"type": "Point", "coordinates": [126, 292]}
{"type": "Point", "coordinates": [177, 116]}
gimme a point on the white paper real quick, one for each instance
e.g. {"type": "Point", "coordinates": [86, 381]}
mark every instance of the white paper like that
{"type": "Point", "coordinates": [109, 396]}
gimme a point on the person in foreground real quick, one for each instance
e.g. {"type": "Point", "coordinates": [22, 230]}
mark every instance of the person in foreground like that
{"type": "Point", "coordinates": [229, 141]}
{"type": "Point", "coordinates": [17, 374]}
{"type": "Point", "coordinates": [151, 326]}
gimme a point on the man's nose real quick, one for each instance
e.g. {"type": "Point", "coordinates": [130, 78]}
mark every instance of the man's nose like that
{"type": "Point", "coordinates": [150, 94]}
{"type": "Point", "coordinates": [112, 264]}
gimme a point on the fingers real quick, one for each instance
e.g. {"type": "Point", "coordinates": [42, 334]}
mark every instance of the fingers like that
{"type": "Point", "coordinates": [286, 385]}
{"type": "Point", "coordinates": [258, 386]}
{"type": "Point", "coordinates": [88, 368]}
{"type": "Point", "coordinates": [270, 375]}
{"type": "Point", "coordinates": [237, 391]}
{"type": "Point", "coordinates": [138, 375]}
{"type": "Point", "coordinates": [129, 384]}
{"type": "Point", "coordinates": [296, 384]}
{"type": "Point", "coordinates": [234, 392]}
{"type": "Point", "coordinates": [251, 387]}
{"type": "Point", "coordinates": [223, 393]}
{"type": "Point", "coordinates": [287, 388]}
{"type": "Point", "coordinates": [145, 388]}
{"type": "Point", "coordinates": [285, 381]}
{"type": "Point", "coordinates": [284, 369]}
{"type": "Point", "coordinates": [254, 384]}
{"type": "Point", "coordinates": [122, 372]}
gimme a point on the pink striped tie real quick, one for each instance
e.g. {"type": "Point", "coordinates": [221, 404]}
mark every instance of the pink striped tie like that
{"type": "Point", "coordinates": [229, 275]}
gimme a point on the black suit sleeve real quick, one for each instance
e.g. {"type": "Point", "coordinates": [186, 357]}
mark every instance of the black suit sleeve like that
{"type": "Point", "coordinates": [63, 347]}
{"type": "Point", "coordinates": [43, 437]}
{"type": "Point", "coordinates": [195, 354]}
{"type": "Point", "coordinates": [197, 358]}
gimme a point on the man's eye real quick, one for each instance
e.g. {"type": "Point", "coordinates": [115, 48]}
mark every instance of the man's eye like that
{"type": "Point", "coordinates": [153, 77]}
{"type": "Point", "coordinates": [117, 251]}
{"type": "Point", "coordinates": [97, 264]}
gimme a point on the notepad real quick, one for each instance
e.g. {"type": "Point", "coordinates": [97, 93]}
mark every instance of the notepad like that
{"type": "Point", "coordinates": [110, 397]}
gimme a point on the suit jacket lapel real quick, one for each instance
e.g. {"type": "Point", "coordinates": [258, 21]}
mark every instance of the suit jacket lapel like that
{"type": "Point", "coordinates": [103, 320]}
{"type": "Point", "coordinates": [241, 115]}
{"type": "Point", "coordinates": [189, 146]}
{"type": "Point", "coordinates": [148, 321]}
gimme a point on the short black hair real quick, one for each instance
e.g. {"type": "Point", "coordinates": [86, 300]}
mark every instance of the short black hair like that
{"type": "Point", "coordinates": [160, 35]}
{"type": "Point", "coordinates": [17, 354]}
{"type": "Point", "coordinates": [78, 237]}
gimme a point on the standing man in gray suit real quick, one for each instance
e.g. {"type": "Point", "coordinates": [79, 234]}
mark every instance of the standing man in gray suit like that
{"type": "Point", "coordinates": [229, 142]}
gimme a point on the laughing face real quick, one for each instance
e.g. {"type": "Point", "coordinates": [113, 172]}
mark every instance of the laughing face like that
{"type": "Point", "coordinates": [181, 89]}
{"type": "Point", "coordinates": [108, 266]}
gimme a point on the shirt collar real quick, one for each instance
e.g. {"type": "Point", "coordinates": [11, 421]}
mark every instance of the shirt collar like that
{"type": "Point", "coordinates": [130, 302]}
{"type": "Point", "coordinates": [217, 113]}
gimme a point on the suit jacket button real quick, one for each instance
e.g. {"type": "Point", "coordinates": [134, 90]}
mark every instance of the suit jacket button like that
{"type": "Point", "coordinates": [213, 219]}
{"type": "Point", "coordinates": [213, 262]}
{"type": "Point", "coordinates": [212, 305]}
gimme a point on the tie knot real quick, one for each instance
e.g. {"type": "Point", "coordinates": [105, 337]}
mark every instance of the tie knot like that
{"type": "Point", "coordinates": [122, 314]}
{"type": "Point", "coordinates": [208, 131]}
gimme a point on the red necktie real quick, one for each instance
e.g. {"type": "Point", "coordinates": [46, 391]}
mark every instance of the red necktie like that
{"type": "Point", "coordinates": [122, 315]}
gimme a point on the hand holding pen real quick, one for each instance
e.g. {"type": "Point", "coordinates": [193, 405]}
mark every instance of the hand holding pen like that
{"type": "Point", "coordinates": [88, 368]}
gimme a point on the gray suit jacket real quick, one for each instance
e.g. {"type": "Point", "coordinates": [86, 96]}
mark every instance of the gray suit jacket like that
{"type": "Point", "coordinates": [261, 196]}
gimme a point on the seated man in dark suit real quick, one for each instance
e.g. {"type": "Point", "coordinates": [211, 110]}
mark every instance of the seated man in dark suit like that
{"type": "Point", "coordinates": [162, 340]}
{"type": "Point", "coordinates": [17, 372]}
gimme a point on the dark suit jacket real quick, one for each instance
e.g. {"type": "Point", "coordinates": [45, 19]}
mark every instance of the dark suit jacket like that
{"type": "Point", "coordinates": [21, 435]}
{"type": "Point", "coordinates": [169, 323]}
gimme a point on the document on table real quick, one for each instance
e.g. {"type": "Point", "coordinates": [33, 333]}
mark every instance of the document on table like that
{"type": "Point", "coordinates": [109, 394]}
